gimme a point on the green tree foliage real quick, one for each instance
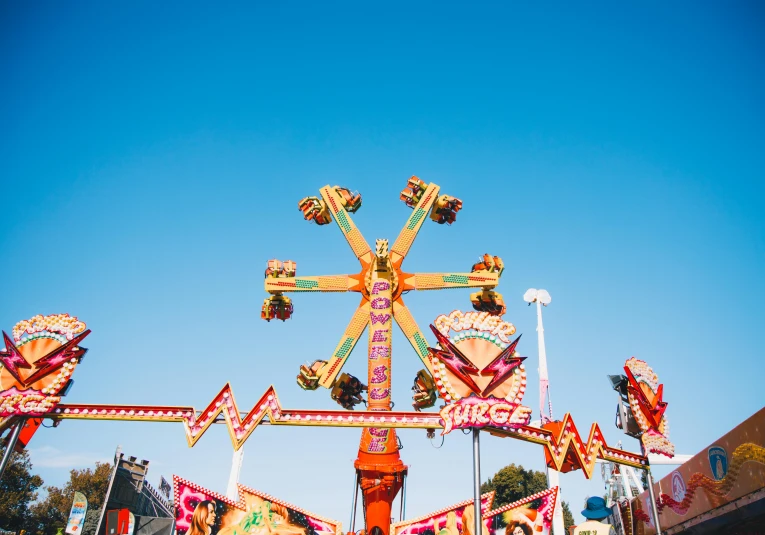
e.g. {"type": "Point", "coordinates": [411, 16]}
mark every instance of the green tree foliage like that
{"type": "Point", "coordinates": [18, 489]}
{"type": "Point", "coordinates": [513, 483]}
{"type": "Point", "coordinates": [53, 512]}
{"type": "Point", "coordinates": [568, 517]}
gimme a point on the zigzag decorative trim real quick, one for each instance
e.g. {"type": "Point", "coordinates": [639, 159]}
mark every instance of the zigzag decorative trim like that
{"type": "Point", "coordinates": [268, 406]}
{"type": "Point", "coordinates": [563, 443]}
{"type": "Point", "coordinates": [742, 454]}
{"type": "Point", "coordinates": [565, 447]}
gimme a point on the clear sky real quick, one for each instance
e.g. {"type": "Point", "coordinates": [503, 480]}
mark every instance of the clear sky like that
{"type": "Point", "coordinates": [152, 156]}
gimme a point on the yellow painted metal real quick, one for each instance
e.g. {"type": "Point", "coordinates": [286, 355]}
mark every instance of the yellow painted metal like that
{"type": "Point", "coordinates": [412, 227]}
{"type": "Point", "coordinates": [409, 327]}
{"type": "Point", "coordinates": [440, 281]}
{"type": "Point", "coordinates": [343, 219]}
{"type": "Point", "coordinates": [325, 283]}
{"type": "Point", "coordinates": [379, 350]}
{"type": "Point", "coordinates": [351, 335]}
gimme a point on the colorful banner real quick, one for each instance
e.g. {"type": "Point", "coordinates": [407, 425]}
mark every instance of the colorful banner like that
{"type": "Point", "coordinates": [531, 515]}
{"type": "Point", "coordinates": [199, 511]}
{"type": "Point", "coordinates": [456, 519]}
{"type": "Point", "coordinates": [731, 467]}
{"type": "Point", "coordinates": [77, 514]}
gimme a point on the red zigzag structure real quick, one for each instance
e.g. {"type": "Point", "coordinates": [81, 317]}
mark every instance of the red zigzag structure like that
{"type": "Point", "coordinates": [564, 448]}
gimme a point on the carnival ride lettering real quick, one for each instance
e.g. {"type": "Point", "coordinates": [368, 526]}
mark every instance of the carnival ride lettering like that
{"type": "Point", "coordinates": [380, 286]}
{"type": "Point", "coordinates": [22, 404]}
{"type": "Point", "coordinates": [380, 335]}
{"type": "Point", "coordinates": [379, 393]}
{"type": "Point", "coordinates": [380, 345]}
{"type": "Point", "coordinates": [379, 438]}
{"type": "Point", "coordinates": [381, 318]}
{"type": "Point", "coordinates": [380, 303]}
{"type": "Point", "coordinates": [482, 412]}
{"type": "Point", "coordinates": [379, 374]}
{"type": "Point", "coordinates": [379, 352]}
{"type": "Point", "coordinates": [480, 321]}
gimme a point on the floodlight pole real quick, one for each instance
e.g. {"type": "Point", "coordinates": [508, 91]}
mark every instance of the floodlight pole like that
{"type": "Point", "coordinates": [232, 491]}
{"type": "Point", "coordinates": [651, 495]}
{"type": "Point", "coordinates": [13, 438]}
{"type": "Point", "coordinates": [553, 480]}
{"type": "Point", "coordinates": [477, 482]}
{"type": "Point", "coordinates": [353, 502]}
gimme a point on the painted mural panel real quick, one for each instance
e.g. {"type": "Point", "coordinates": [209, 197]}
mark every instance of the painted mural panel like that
{"type": "Point", "coordinates": [532, 515]}
{"type": "Point", "coordinates": [729, 468]}
{"type": "Point", "coordinates": [199, 511]}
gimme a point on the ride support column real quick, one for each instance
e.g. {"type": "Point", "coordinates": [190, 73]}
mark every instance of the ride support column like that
{"type": "Point", "coordinates": [378, 462]}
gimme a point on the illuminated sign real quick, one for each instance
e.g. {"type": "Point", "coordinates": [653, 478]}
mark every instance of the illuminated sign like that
{"type": "Point", "coordinates": [14, 402]}
{"type": "Point", "coordinates": [645, 395]}
{"type": "Point", "coordinates": [480, 321]}
{"type": "Point", "coordinates": [482, 412]}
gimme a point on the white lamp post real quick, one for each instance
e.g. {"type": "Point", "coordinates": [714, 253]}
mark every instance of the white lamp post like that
{"type": "Point", "coordinates": [541, 297]}
{"type": "Point", "coordinates": [232, 491]}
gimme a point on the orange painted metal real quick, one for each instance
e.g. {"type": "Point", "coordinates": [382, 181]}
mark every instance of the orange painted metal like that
{"type": "Point", "coordinates": [379, 462]}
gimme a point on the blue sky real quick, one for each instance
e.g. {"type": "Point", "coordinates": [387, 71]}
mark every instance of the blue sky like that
{"type": "Point", "coordinates": [152, 156]}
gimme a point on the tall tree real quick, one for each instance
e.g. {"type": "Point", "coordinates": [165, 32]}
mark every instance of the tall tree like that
{"type": "Point", "coordinates": [513, 483]}
{"type": "Point", "coordinates": [18, 489]}
{"type": "Point", "coordinates": [53, 512]}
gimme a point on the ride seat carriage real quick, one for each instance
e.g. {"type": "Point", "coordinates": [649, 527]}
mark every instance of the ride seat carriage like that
{"type": "Point", "coordinates": [413, 191]}
{"type": "Point", "coordinates": [276, 307]}
{"type": "Point", "coordinates": [314, 209]}
{"type": "Point", "coordinates": [489, 263]}
{"type": "Point", "coordinates": [351, 201]}
{"type": "Point", "coordinates": [445, 210]}
{"type": "Point", "coordinates": [488, 301]}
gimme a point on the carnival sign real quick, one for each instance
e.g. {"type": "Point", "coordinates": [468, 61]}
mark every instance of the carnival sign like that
{"type": "Point", "coordinates": [199, 511]}
{"type": "Point", "coordinates": [482, 412]}
{"type": "Point", "coordinates": [77, 514]}
{"type": "Point", "coordinates": [478, 372]}
{"type": "Point", "coordinates": [15, 402]}
{"type": "Point", "coordinates": [37, 363]}
{"type": "Point", "coordinates": [645, 395]}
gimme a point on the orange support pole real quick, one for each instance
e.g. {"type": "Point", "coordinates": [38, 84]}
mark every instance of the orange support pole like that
{"type": "Point", "coordinates": [379, 463]}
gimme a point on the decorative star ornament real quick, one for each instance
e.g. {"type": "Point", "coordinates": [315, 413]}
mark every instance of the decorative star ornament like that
{"type": "Point", "coordinates": [12, 360]}
{"type": "Point", "coordinates": [454, 360]}
{"type": "Point", "coordinates": [502, 367]}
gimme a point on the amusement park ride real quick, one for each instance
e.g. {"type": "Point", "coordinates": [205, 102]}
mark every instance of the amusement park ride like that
{"type": "Point", "coordinates": [474, 369]}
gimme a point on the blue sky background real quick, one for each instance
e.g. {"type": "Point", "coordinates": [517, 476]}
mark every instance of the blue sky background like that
{"type": "Point", "coordinates": [152, 156]}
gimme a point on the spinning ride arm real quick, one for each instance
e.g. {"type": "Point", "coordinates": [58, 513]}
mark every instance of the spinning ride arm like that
{"type": "Point", "coordinates": [440, 281]}
{"type": "Point", "coordinates": [336, 206]}
{"type": "Point", "coordinates": [409, 327]}
{"type": "Point", "coordinates": [326, 283]}
{"type": "Point", "coordinates": [425, 199]}
{"type": "Point", "coordinates": [352, 334]}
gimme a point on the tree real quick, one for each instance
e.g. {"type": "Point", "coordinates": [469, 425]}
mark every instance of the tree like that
{"type": "Point", "coordinates": [513, 483]}
{"type": "Point", "coordinates": [52, 513]}
{"type": "Point", "coordinates": [18, 489]}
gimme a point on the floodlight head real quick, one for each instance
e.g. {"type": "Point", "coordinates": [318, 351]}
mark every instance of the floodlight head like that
{"type": "Point", "coordinates": [619, 383]}
{"type": "Point", "coordinates": [530, 296]}
{"type": "Point", "coordinates": [544, 297]}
